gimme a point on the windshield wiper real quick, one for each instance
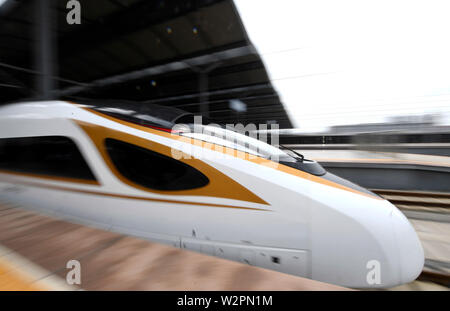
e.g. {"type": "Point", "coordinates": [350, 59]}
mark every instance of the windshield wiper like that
{"type": "Point", "coordinates": [301, 156]}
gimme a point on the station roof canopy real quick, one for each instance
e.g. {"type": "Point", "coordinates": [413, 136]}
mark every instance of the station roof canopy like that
{"type": "Point", "coordinates": [191, 54]}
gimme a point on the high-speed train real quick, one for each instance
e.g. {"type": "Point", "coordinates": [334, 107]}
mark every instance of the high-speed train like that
{"type": "Point", "coordinates": [144, 170]}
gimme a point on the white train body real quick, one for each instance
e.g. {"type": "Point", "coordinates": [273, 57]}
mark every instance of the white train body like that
{"type": "Point", "coordinates": [271, 216]}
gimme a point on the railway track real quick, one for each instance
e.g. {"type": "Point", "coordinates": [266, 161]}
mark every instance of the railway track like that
{"type": "Point", "coordinates": [435, 277]}
{"type": "Point", "coordinates": [436, 271]}
{"type": "Point", "coordinates": [437, 202]}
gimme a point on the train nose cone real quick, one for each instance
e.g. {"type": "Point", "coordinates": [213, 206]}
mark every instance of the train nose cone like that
{"type": "Point", "coordinates": [410, 251]}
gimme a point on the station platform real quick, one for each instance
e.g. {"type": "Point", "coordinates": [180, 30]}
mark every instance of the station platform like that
{"type": "Point", "coordinates": [18, 273]}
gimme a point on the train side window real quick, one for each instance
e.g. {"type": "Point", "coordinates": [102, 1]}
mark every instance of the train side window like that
{"type": "Point", "coordinates": [151, 169]}
{"type": "Point", "coordinates": [56, 156]}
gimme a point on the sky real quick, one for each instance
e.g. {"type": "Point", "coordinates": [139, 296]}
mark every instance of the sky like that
{"type": "Point", "coordinates": [353, 61]}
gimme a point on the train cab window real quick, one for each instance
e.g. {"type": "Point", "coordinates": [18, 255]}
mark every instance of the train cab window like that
{"type": "Point", "coordinates": [151, 169]}
{"type": "Point", "coordinates": [56, 156]}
